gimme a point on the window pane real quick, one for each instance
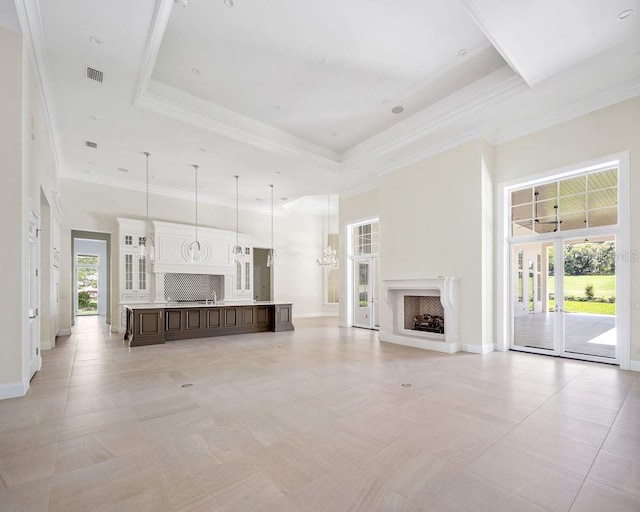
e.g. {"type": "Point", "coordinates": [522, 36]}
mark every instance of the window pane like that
{"type": "Point", "coordinates": [575, 203]}
{"type": "Point", "coordinates": [88, 259]}
{"type": "Point", "coordinates": [521, 196]}
{"type": "Point", "coordinates": [521, 212]}
{"type": "Point", "coordinates": [573, 186]}
{"type": "Point", "coordinates": [547, 191]}
{"type": "Point", "coordinates": [603, 198]}
{"type": "Point", "coordinates": [603, 217]}
{"type": "Point", "coordinates": [603, 179]}
{"type": "Point", "coordinates": [522, 228]}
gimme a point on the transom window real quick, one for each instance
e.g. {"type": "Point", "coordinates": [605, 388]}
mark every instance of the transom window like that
{"type": "Point", "coordinates": [87, 259]}
{"type": "Point", "coordinates": [366, 239]}
{"type": "Point", "coordinates": [585, 201]}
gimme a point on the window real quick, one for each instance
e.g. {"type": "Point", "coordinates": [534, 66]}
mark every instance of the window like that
{"type": "Point", "coordinates": [88, 259]}
{"type": "Point", "coordinates": [366, 239]}
{"type": "Point", "coordinates": [520, 275]}
{"type": "Point", "coordinates": [332, 273]}
{"type": "Point", "coordinates": [128, 240]}
{"type": "Point", "coordinates": [576, 202]}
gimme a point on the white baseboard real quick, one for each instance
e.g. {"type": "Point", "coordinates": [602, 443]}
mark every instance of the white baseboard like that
{"type": "Point", "coordinates": [634, 366]}
{"type": "Point", "coordinates": [46, 345]}
{"type": "Point", "coordinates": [64, 332]}
{"type": "Point", "coordinates": [342, 324]}
{"type": "Point", "coordinates": [313, 315]}
{"type": "Point", "coordinates": [116, 329]}
{"type": "Point", "coordinates": [479, 349]}
{"type": "Point", "coordinates": [13, 389]}
{"type": "Point", "coordinates": [438, 346]}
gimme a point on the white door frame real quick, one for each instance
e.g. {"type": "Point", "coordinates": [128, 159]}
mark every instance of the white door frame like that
{"type": "Point", "coordinates": [373, 301]}
{"type": "Point", "coordinates": [33, 349]}
{"type": "Point", "coordinates": [623, 249]}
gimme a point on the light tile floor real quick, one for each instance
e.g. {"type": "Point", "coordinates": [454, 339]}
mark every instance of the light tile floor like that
{"type": "Point", "coordinates": [316, 420]}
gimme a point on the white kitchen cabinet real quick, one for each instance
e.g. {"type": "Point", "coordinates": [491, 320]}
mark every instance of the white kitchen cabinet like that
{"type": "Point", "coordinates": [243, 275]}
{"type": "Point", "coordinates": [134, 271]}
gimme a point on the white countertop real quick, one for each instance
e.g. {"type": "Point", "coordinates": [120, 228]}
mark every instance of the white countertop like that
{"type": "Point", "coordinates": [202, 304]}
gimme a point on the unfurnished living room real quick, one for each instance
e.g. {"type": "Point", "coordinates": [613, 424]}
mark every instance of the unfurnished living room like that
{"type": "Point", "coordinates": [304, 256]}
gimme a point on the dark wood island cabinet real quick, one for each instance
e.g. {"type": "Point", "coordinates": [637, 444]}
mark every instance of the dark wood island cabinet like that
{"type": "Point", "coordinates": [148, 324]}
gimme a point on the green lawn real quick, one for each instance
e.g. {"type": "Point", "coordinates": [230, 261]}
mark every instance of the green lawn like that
{"type": "Point", "coordinates": [603, 286]}
{"type": "Point", "coordinates": [595, 308]}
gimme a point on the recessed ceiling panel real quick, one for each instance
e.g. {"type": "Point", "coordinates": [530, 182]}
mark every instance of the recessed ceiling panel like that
{"type": "Point", "coordinates": [329, 72]}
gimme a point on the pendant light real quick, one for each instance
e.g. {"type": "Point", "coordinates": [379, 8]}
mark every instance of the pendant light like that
{"type": "Point", "coordinates": [194, 247]}
{"type": "Point", "coordinates": [328, 258]}
{"type": "Point", "coordinates": [147, 247]}
{"type": "Point", "coordinates": [271, 253]}
{"type": "Point", "coordinates": [237, 250]}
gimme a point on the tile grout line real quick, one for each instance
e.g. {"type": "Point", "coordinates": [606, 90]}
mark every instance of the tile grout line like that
{"type": "Point", "coordinates": [600, 449]}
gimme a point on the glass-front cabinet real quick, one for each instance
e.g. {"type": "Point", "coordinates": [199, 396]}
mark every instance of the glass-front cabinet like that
{"type": "Point", "coordinates": [243, 275]}
{"type": "Point", "coordinates": [134, 270]}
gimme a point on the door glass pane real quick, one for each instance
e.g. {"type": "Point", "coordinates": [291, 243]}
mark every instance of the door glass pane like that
{"type": "Point", "coordinates": [87, 290]}
{"type": "Point", "coordinates": [590, 296]}
{"type": "Point", "coordinates": [532, 287]}
{"type": "Point", "coordinates": [363, 285]}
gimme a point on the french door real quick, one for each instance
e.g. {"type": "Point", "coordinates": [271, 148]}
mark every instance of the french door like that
{"type": "Point", "coordinates": [563, 296]}
{"type": "Point", "coordinates": [365, 289]}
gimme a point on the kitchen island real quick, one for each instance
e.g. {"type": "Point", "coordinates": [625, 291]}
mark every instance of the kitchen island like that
{"type": "Point", "coordinates": [152, 324]}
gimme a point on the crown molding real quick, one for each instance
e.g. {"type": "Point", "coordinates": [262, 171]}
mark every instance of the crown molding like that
{"type": "Point", "coordinates": [176, 104]}
{"type": "Point", "coordinates": [29, 16]}
{"type": "Point", "coordinates": [109, 181]}
{"type": "Point", "coordinates": [576, 109]}
{"type": "Point", "coordinates": [497, 86]}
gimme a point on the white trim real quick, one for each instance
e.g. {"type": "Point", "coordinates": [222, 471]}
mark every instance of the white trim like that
{"type": "Point", "coordinates": [13, 389]}
{"type": "Point", "coordinates": [30, 22]}
{"type": "Point", "coordinates": [64, 332]}
{"type": "Point", "coordinates": [634, 366]}
{"type": "Point", "coordinates": [46, 345]}
{"type": "Point", "coordinates": [479, 349]}
{"type": "Point", "coordinates": [438, 346]}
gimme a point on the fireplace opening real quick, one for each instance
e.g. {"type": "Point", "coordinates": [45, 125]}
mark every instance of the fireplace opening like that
{"type": "Point", "coordinates": [423, 313]}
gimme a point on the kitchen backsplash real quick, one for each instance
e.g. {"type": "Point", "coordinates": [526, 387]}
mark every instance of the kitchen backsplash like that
{"type": "Point", "coordinates": [193, 287]}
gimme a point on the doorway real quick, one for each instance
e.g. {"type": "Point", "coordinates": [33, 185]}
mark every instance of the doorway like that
{"type": "Point", "coordinates": [35, 360]}
{"type": "Point", "coordinates": [91, 274]}
{"type": "Point", "coordinates": [262, 279]}
{"type": "Point", "coordinates": [563, 257]}
{"type": "Point", "coordinates": [364, 276]}
{"type": "Point", "coordinates": [366, 306]}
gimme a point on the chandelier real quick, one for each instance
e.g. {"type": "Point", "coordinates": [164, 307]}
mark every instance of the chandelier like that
{"type": "Point", "coordinates": [329, 256]}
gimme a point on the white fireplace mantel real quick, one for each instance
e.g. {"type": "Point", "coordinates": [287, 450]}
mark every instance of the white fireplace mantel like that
{"type": "Point", "coordinates": [447, 289]}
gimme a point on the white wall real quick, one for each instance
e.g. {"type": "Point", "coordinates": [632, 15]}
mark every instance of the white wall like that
{"type": "Point", "coordinates": [27, 168]}
{"type": "Point", "coordinates": [12, 223]}
{"type": "Point", "coordinates": [298, 241]}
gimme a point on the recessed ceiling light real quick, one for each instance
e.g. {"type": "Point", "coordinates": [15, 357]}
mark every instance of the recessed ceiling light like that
{"type": "Point", "coordinates": [95, 40]}
{"type": "Point", "coordinates": [122, 169]}
{"type": "Point", "coordinates": [283, 198]}
{"type": "Point", "coordinates": [323, 61]}
{"type": "Point", "coordinates": [93, 118]}
{"type": "Point", "coordinates": [625, 14]}
{"type": "Point", "coordinates": [278, 172]}
{"type": "Point", "coordinates": [276, 107]}
{"type": "Point", "coordinates": [258, 199]}
{"type": "Point", "coordinates": [90, 163]}
{"type": "Point", "coordinates": [462, 52]}
{"type": "Point", "coordinates": [334, 134]}
{"type": "Point", "coordinates": [202, 150]}
{"type": "Point", "coordinates": [397, 110]}
{"type": "Point", "coordinates": [195, 71]}
{"type": "Point", "coordinates": [228, 3]}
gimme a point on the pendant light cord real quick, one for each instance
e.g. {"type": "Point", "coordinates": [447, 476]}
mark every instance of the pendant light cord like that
{"type": "Point", "coordinates": [147, 155]}
{"type": "Point", "coordinates": [196, 168]}
{"type": "Point", "coordinates": [271, 216]}
{"type": "Point", "coordinates": [237, 212]}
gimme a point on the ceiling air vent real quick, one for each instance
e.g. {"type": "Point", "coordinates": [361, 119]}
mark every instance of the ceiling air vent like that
{"type": "Point", "coordinates": [90, 144]}
{"type": "Point", "coordinates": [94, 74]}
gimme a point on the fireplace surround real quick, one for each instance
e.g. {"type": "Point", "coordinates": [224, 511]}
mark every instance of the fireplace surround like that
{"type": "Point", "coordinates": [433, 305]}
